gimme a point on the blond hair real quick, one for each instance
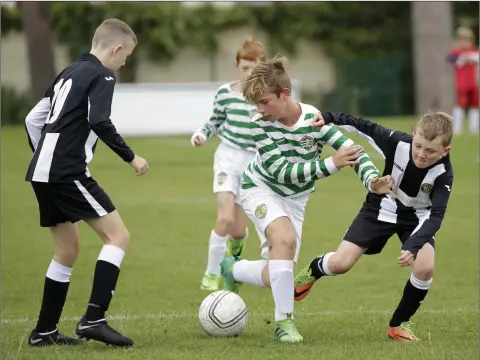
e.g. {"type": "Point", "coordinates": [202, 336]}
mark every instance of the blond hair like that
{"type": "Point", "coordinates": [251, 50]}
{"type": "Point", "coordinates": [434, 125]}
{"type": "Point", "coordinates": [112, 30]}
{"type": "Point", "coordinates": [267, 77]}
{"type": "Point", "coordinates": [465, 32]}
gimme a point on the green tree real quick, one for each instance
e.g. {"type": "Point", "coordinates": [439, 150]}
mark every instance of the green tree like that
{"type": "Point", "coordinates": [357, 35]}
{"type": "Point", "coordinates": [465, 13]}
{"type": "Point", "coordinates": [204, 25]}
{"type": "Point", "coordinates": [11, 20]}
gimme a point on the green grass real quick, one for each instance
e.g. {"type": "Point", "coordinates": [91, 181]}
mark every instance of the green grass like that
{"type": "Point", "coordinates": [170, 213]}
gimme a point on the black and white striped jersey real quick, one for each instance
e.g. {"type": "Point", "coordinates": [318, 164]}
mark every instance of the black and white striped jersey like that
{"type": "Point", "coordinates": [421, 195]}
{"type": "Point", "coordinates": [63, 128]}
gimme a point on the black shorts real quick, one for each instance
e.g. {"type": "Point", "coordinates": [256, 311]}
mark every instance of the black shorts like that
{"type": "Point", "coordinates": [372, 234]}
{"type": "Point", "coordinates": [72, 201]}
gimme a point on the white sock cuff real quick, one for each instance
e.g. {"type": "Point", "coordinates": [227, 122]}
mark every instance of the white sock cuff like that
{"type": "Point", "coordinates": [325, 267]}
{"type": "Point", "coordinates": [59, 272]}
{"type": "Point", "coordinates": [249, 271]}
{"type": "Point", "coordinates": [112, 254]}
{"type": "Point", "coordinates": [217, 238]}
{"type": "Point", "coordinates": [420, 284]}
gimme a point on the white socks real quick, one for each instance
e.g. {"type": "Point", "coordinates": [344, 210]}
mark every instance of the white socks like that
{"type": "Point", "coordinates": [323, 264]}
{"type": "Point", "coordinates": [217, 247]}
{"type": "Point", "coordinates": [282, 283]}
{"type": "Point", "coordinates": [249, 272]}
{"type": "Point", "coordinates": [420, 284]}
{"type": "Point", "coordinates": [458, 115]}
{"type": "Point", "coordinates": [112, 254]}
{"type": "Point", "coordinates": [473, 120]}
{"type": "Point", "coordinates": [59, 272]}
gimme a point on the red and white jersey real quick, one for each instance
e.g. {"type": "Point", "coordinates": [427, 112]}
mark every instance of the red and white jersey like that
{"type": "Point", "coordinates": [465, 62]}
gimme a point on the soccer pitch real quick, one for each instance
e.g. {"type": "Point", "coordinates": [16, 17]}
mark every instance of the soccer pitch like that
{"type": "Point", "coordinates": [170, 213]}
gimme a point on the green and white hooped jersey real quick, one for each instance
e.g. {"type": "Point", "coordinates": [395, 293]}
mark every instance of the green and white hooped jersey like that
{"type": "Point", "coordinates": [288, 158]}
{"type": "Point", "coordinates": [230, 120]}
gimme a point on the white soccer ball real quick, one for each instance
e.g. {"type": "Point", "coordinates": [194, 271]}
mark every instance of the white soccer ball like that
{"type": "Point", "coordinates": [223, 314]}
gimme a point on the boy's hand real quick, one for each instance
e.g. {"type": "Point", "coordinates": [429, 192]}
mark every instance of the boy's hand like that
{"type": "Point", "coordinates": [318, 121]}
{"type": "Point", "coordinates": [347, 156]}
{"type": "Point", "coordinates": [406, 258]}
{"type": "Point", "coordinates": [383, 185]}
{"type": "Point", "coordinates": [198, 139]}
{"type": "Point", "coordinates": [140, 165]}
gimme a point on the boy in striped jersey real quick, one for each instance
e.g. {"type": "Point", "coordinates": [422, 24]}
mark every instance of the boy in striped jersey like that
{"type": "Point", "coordinates": [277, 182]}
{"type": "Point", "coordinates": [421, 171]}
{"type": "Point", "coordinates": [230, 122]}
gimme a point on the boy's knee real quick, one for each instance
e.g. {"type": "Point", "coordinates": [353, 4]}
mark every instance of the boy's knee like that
{"type": "Point", "coordinates": [122, 240]}
{"type": "Point", "coordinates": [118, 237]}
{"type": "Point", "coordinates": [284, 240]}
{"type": "Point", "coordinates": [67, 256]}
{"type": "Point", "coordinates": [67, 247]}
{"type": "Point", "coordinates": [72, 250]}
{"type": "Point", "coordinates": [423, 266]}
{"type": "Point", "coordinates": [287, 241]}
{"type": "Point", "coordinates": [225, 221]}
{"type": "Point", "coordinates": [339, 265]}
{"type": "Point", "coordinates": [281, 237]}
{"type": "Point", "coordinates": [424, 272]}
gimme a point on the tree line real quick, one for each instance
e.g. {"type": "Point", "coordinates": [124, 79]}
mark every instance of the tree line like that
{"type": "Point", "coordinates": [346, 30]}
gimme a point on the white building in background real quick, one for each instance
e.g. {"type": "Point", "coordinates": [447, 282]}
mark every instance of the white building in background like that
{"type": "Point", "coordinates": [311, 67]}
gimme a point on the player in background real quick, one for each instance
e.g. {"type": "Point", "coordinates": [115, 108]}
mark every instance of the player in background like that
{"type": "Point", "coordinates": [422, 175]}
{"type": "Point", "coordinates": [276, 185]}
{"type": "Point", "coordinates": [464, 57]}
{"type": "Point", "coordinates": [63, 129]}
{"type": "Point", "coordinates": [230, 122]}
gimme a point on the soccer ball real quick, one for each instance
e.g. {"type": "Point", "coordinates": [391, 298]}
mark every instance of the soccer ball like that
{"type": "Point", "coordinates": [223, 314]}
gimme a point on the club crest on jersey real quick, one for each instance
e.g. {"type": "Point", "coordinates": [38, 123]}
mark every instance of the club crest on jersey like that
{"type": "Point", "coordinates": [261, 211]}
{"type": "Point", "coordinates": [426, 188]}
{"type": "Point", "coordinates": [307, 142]}
{"type": "Point", "coordinates": [221, 178]}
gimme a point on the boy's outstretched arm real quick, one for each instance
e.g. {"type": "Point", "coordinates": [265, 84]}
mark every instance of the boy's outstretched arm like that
{"type": "Point", "coordinates": [382, 139]}
{"type": "Point", "coordinates": [364, 168]}
{"type": "Point", "coordinates": [286, 172]}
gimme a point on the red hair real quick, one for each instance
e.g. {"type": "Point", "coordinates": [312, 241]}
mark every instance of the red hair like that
{"type": "Point", "coordinates": [251, 50]}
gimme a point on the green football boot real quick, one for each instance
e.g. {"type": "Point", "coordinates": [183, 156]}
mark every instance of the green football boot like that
{"type": "Point", "coordinates": [229, 282]}
{"type": "Point", "coordinates": [286, 331]}
{"type": "Point", "coordinates": [210, 282]}
{"type": "Point", "coordinates": [235, 248]}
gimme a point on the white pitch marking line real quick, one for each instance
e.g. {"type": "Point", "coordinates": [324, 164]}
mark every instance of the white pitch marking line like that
{"type": "Point", "coordinates": [183, 315]}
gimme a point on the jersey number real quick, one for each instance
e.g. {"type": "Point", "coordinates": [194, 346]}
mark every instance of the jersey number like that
{"type": "Point", "coordinates": [61, 90]}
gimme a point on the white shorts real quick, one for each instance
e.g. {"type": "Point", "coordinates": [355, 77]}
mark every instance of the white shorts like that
{"type": "Point", "coordinates": [263, 206]}
{"type": "Point", "coordinates": [228, 166]}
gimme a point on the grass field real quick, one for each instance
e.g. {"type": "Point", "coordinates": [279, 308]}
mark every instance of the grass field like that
{"type": "Point", "coordinates": [170, 213]}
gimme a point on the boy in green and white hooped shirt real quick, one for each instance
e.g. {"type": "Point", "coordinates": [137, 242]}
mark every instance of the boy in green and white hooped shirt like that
{"type": "Point", "coordinates": [277, 183]}
{"type": "Point", "coordinates": [230, 122]}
